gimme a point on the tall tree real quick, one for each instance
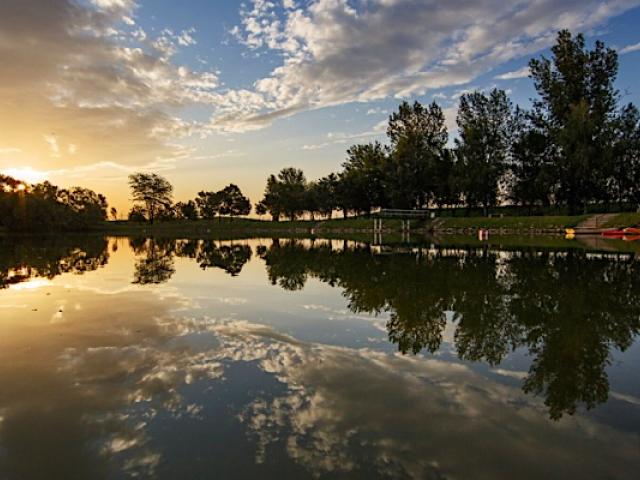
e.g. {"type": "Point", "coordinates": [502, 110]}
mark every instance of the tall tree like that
{"type": "Point", "coordinates": [532, 170]}
{"type": "Point", "coordinates": [577, 107]}
{"type": "Point", "coordinates": [482, 146]}
{"type": "Point", "coordinates": [152, 192]}
{"type": "Point", "coordinates": [417, 136]}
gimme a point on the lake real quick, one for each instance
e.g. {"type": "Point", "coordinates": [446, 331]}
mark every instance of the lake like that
{"type": "Point", "coordinates": [282, 358]}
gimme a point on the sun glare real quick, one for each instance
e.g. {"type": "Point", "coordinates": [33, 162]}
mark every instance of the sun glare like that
{"type": "Point", "coordinates": [26, 174]}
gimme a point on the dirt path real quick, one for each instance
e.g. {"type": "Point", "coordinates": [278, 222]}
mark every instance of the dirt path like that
{"type": "Point", "coordinates": [596, 221]}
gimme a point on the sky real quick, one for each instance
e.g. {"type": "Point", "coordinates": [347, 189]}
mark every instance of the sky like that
{"type": "Point", "coordinates": [212, 92]}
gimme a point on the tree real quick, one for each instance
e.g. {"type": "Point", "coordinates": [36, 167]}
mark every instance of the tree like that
{"type": "Point", "coordinates": [233, 202]}
{"type": "Point", "coordinates": [285, 194]}
{"type": "Point", "coordinates": [417, 136]}
{"type": "Point", "coordinates": [137, 214]}
{"type": "Point", "coordinates": [364, 173]}
{"type": "Point", "coordinates": [482, 146]}
{"type": "Point", "coordinates": [152, 191]}
{"type": "Point", "coordinates": [260, 208]}
{"type": "Point", "coordinates": [531, 167]}
{"type": "Point", "coordinates": [625, 175]}
{"type": "Point", "coordinates": [577, 108]}
{"type": "Point", "coordinates": [326, 194]}
{"type": "Point", "coordinates": [114, 213]}
{"type": "Point", "coordinates": [208, 204]}
{"type": "Point", "coordinates": [187, 210]}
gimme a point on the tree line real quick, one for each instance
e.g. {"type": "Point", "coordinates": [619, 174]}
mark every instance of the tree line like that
{"type": "Point", "coordinates": [574, 147]}
{"type": "Point", "coordinates": [46, 207]}
{"type": "Point", "coordinates": [153, 200]}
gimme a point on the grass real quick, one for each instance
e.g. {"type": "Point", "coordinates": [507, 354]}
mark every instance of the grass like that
{"type": "Point", "coordinates": [339, 225]}
{"type": "Point", "coordinates": [623, 220]}
{"type": "Point", "coordinates": [541, 223]}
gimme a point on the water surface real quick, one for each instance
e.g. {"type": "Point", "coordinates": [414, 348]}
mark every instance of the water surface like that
{"type": "Point", "coordinates": [162, 358]}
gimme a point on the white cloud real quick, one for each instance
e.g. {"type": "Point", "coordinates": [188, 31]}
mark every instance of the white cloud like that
{"type": "Point", "coordinates": [341, 138]}
{"type": "Point", "coordinates": [630, 48]}
{"type": "Point", "coordinates": [520, 73]}
{"type": "Point", "coordinates": [335, 52]}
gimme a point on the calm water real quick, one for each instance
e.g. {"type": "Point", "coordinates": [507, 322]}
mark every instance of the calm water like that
{"type": "Point", "coordinates": [124, 358]}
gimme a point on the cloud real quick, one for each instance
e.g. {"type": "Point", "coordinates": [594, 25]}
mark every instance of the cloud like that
{"type": "Point", "coordinates": [335, 52]}
{"type": "Point", "coordinates": [520, 73]}
{"type": "Point", "coordinates": [85, 78]}
{"type": "Point", "coordinates": [340, 138]}
{"type": "Point", "coordinates": [630, 48]}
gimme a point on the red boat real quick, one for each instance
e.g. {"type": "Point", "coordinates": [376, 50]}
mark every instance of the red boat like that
{"type": "Point", "coordinates": [615, 233]}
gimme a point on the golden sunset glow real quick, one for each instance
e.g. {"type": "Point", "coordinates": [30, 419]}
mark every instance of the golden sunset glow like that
{"type": "Point", "coordinates": [26, 174]}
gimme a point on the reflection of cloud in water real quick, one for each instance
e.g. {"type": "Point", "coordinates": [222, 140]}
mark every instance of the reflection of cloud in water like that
{"type": "Point", "coordinates": [412, 416]}
{"type": "Point", "coordinates": [119, 363]}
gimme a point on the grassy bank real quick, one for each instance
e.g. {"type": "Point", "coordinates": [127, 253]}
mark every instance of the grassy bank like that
{"type": "Point", "coordinates": [339, 225]}
{"type": "Point", "coordinates": [512, 223]}
{"type": "Point", "coordinates": [623, 220]}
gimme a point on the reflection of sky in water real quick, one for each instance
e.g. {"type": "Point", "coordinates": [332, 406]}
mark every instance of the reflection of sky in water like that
{"type": "Point", "coordinates": [213, 375]}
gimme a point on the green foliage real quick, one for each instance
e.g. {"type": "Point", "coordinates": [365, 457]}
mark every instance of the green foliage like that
{"type": "Point", "coordinates": [577, 111]}
{"type": "Point", "coordinates": [417, 137]}
{"type": "Point", "coordinates": [187, 210]}
{"type": "Point", "coordinates": [45, 207]}
{"type": "Point", "coordinates": [152, 193]}
{"type": "Point", "coordinates": [233, 202]}
{"type": "Point", "coordinates": [482, 149]}
{"type": "Point", "coordinates": [286, 194]}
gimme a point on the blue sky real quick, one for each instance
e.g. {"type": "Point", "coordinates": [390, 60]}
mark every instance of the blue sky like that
{"type": "Point", "coordinates": [212, 92]}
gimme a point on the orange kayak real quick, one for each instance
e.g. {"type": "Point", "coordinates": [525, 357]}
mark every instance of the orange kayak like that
{"type": "Point", "coordinates": [632, 231]}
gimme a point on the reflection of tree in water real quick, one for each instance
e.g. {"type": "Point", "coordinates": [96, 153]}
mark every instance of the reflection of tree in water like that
{"type": "Point", "coordinates": [157, 264]}
{"type": "Point", "coordinates": [568, 309]}
{"type": "Point", "coordinates": [230, 258]}
{"type": "Point", "coordinates": [574, 310]}
{"type": "Point", "coordinates": [49, 257]}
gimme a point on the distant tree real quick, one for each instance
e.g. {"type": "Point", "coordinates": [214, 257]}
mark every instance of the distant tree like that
{"type": "Point", "coordinates": [114, 213]}
{"type": "Point", "coordinates": [285, 194]}
{"type": "Point", "coordinates": [577, 108]}
{"type": "Point", "coordinates": [418, 137]}
{"type": "Point", "coordinates": [260, 208]}
{"type": "Point", "coordinates": [326, 194]}
{"type": "Point", "coordinates": [233, 202]}
{"type": "Point", "coordinates": [187, 210]}
{"type": "Point", "coordinates": [137, 214]}
{"type": "Point", "coordinates": [208, 204]}
{"type": "Point", "coordinates": [482, 146]}
{"type": "Point", "coordinates": [152, 192]}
